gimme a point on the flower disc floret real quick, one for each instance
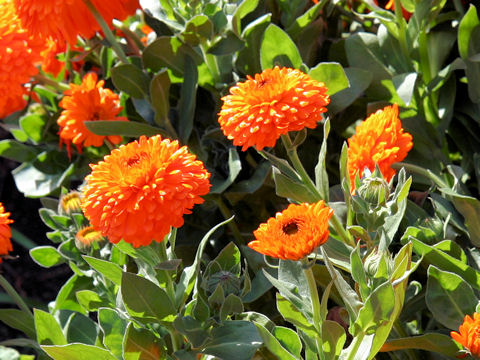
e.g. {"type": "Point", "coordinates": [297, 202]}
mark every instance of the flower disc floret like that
{"type": "Point", "coordinates": [468, 334]}
{"type": "Point", "coordinates": [261, 109]}
{"type": "Point", "coordinates": [142, 189]}
{"type": "Point", "coordinates": [378, 140]}
{"type": "Point", "coordinates": [293, 233]}
{"type": "Point", "coordinates": [89, 101]}
{"type": "Point", "coordinates": [5, 232]}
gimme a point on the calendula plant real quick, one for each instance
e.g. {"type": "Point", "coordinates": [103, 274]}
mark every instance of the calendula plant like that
{"type": "Point", "coordinates": [246, 179]}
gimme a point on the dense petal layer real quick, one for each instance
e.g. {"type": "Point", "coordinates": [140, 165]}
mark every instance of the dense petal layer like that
{"type": "Point", "coordinates": [5, 232]}
{"type": "Point", "coordinates": [293, 233]}
{"type": "Point", "coordinates": [261, 109]}
{"type": "Point", "coordinates": [142, 189]}
{"type": "Point", "coordinates": [469, 334]}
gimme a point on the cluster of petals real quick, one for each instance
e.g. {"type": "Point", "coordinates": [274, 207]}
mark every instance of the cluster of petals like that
{"type": "Point", "coordinates": [468, 334]}
{"type": "Point", "coordinates": [293, 233]}
{"type": "Point", "coordinates": [5, 232]}
{"type": "Point", "coordinates": [378, 140]}
{"type": "Point", "coordinates": [142, 189]}
{"type": "Point", "coordinates": [66, 19]}
{"type": "Point", "coordinates": [18, 54]}
{"type": "Point", "coordinates": [279, 100]}
{"type": "Point", "coordinates": [89, 101]}
{"type": "Point", "coordinates": [50, 62]}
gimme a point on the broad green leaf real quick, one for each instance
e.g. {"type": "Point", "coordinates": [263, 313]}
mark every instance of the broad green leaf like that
{"type": "Point", "coordinates": [90, 300]}
{"type": "Point", "coordinates": [232, 305]}
{"type": "Point", "coordinates": [439, 343]}
{"type": "Point", "coordinates": [192, 329]}
{"type": "Point", "coordinates": [66, 299]}
{"type": "Point", "coordinates": [46, 256]}
{"type": "Point", "coordinates": [80, 329]}
{"type": "Point", "coordinates": [274, 345]}
{"type": "Point", "coordinates": [278, 49]}
{"type": "Point", "coordinates": [245, 8]}
{"type": "Point", "coordinates": [235, 340]}
{"type": "Point", "coordinates": [17, 151]}
{"type": "Point", "coordinates": [288, 188]}
{"type": "Point", "coordinates": [291, 314]}
{"type": "Point", "coordinates": [113, 327]}
{"type": "Point", "coordinates": [34, 126]}
{"type": "Point", "coordinates": [469, 22]}
{"type": "Point", "coordinates": [111, 271]}
{"type": "Point", "coordinates": [131, 80]}
{"type": "Point", "coordinates": [227, 45]}
{"type": "Point", "coordinates": [141, 344]}
{"type": "Point", "coordinates": [288, 339]}
{"type": "Point", "coordinates": [47, 328]}
{"type": "Point", "coordinates": [282, 165]}
{"type": "Point", "coordinates": [405, 86]}
{"type": "Point", "coordinates": [332, 75]}
{"type": "Point", "coordinates": [359, 80]}
{"type": "Point", "coordinates": [124, 128]}
{"type": "Point", "coordinates": [144, 300]}
{"type": "Point", "coordinates": [19, 320]}
{"type": "Point", "coordinates": [449, 297]}
{"type": "Point", "coordinates": [234, 167]}
{"type": "Point", "coordinates": [229, 258]}
{"type": "Point", "coordinates": [198, 30]}
{"type": "Point", "coordinates": [78, 352]}
{"type": "Point", "coordinates": [301, 22]}
{"type": "Point", "coordinates": [358, 273]}
{"type": "Point", "coordinates": [333, 336]}
{"type": "Point", "coordinates": [187, 102]}
{"type": "Point", "coordinates": [160, 96]}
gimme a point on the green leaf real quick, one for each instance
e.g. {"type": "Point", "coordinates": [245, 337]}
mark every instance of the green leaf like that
{"type": "Point", "coordinates": [90, 300]}
{"type": "Point", "coordinates": [334, 337]}
{"type": "Point", "coordinates": [278, 49]}
{"type": "Point", "coordinates": [46, 256]}
{"type": "Point", "coordinates": [197, 30]}
{"type": "Point", "coordinates": [321, 176]}
{"type": "Point", "coordinates": [282, 165]}
{"type": "Point", "coordinates": [17, 151]}
{"type": "Point", "coordinates": [234, 167]}
{"type": "Point", "coordinates": [141, 344]}
{"type": "Point", "coordinates": [405, 86]}
{"type": "Point", "coordinates": [160, 96]}
{"type": "Point", "coordinates": [111, 271]}
{"type": "Point", "coordinates": [34, 126]}
{"type": "Point", "coordinates": [232, 305]}
{"type": "Point", "coordinates": [78, 352]}
{"type": "Point", "coordinates": [131, 80]}
{"type": "Point", "coordinates": [144, 300]}
{"type": "Point", "coordinates": [302, 22]}
{"type": "Point", "coordinates": [123, 128]}
{"type": "Point", "coordinates": [359, 80]}
{"type": "Point", "coordinates": [47, 328]}
{"type": "Point", "coordinates": [291, 314]}
{"type": "Point", "coordinates": [289, 340]}
{"type": "Point", "coordinates": [188, 96]}
{"type": "Point", "coordinates": [80, 329]}
{"type": "Point", "coordinates": [229, 258]}
{"type": "Point", "coordinates": [469, 22]}
{"type": "Point", "coordinates": [273, 345]}
{"type": "Point", "coordinates": [288, 188]}
{"type": "Point", "coordinates": [442, 344]}
{"type": "Point", "coordinates": [19, 320]}
{"type": "Point", "coordinates": [113, 327]}
{"type": "Point", "coordinates": [449, 297]}
{"type": "Point", "coordinates": [66, 299]}
{"type": "Point", "coordinates": [332, 75]}
{"type": "Point", "coordinates": [235, 340]}
{"type": "Point", "coordinates": [245, 8]}
{"type": "Point", "coordinates": [227, 45]}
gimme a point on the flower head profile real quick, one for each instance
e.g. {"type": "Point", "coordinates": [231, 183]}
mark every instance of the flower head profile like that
{"type": "Point", "coordinates": [468, 334]}
{"type": "Point", "coordinates": [5, 232]}
{"type": "Point", "coordinates": [88, 101]}
{"type": "Point", "coordinates": [293, 233]}
{"type": "Point", "coordinates": [378, 140]}
{"type": "Point", "coordinates": [66, 19]}
{"type": "Point", "coordinates": [264, 107]}
{"type": "Point", "coordinates": [86, 236]}
{"type": "Point", "coordinates": [142, 189]}
{"type": "Point", "coordinates": [18, 54]}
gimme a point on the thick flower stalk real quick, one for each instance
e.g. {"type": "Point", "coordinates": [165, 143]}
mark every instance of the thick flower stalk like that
{"type": "Point", "coordinates": [468, 334]}
{"type": "Point", "coordinates": [5, 232]}
{"type": "Point", "coordinates": [64, 20]}
{"type": "Point", "coordinates": [378, 140]}
{"type": "Point", "coordinates": [88, 101]}
{"type": "Point", "coordinates": [264, 107]}
{"type": "Point", "coordinates": [142, 189]}
{"type": "Point", "coordinates": [18, 54]}
{"type": "Point", "coordinates": [293, 233]}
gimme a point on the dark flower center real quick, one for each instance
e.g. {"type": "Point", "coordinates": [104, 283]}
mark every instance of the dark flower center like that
{"type": "Point", "coordinates": [95, 116]}
{"type": "Point", "coordinates": [263, 82]}
{"type": "Point", "coordinates": [135, 159]}
{"type": "Point", "coordinates": [291, 228]}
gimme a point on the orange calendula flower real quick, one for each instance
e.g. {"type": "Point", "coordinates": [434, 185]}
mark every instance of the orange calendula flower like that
{"type": "Point", "coordinates": [142, 189]}
{"type": "Point", "coordinates": [66, 19]}
{"type": "Point", "coordinates": [86, 236]}
{"type": "Point", "coordinates": [5, 232]}
{"type": "Point", "coordinates": [18, 54]}
{"type": "Point", "coordinates": [261, 109]}
{"type": "Point", "coordinates": [50, 62]}
{"type": "Point", "coordinates": [293, 233]}
{"type": "Point", "coordinates": [378, 140]}
{"type": "Point", "coordinates": [89, 101]}
{"type": "Point", "coordinates": [468, 334]}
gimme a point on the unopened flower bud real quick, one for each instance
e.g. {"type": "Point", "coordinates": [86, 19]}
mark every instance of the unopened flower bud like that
{"type": "Point", "coordinates": [375, 191]}
{"type": "Point", "coordinates": [70, 203]}
{"type": "Point", "coordinates": [86, 236]}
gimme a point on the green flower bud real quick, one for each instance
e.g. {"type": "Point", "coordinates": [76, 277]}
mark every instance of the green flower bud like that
{"type": "Point", "coordinates": [230, 283]}
{"type": "Point", "coordinates": [374, 191]}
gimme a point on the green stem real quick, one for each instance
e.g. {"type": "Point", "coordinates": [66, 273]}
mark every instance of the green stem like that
{"type": "Point", "coordinates": [164, 257]}
{"type": "Point", "coordinates": [43, 80]}
{"type": "Point", "coordinates": [312, 286]}
{"type": "Point", "coordinates": [297, 164]}
{"type": "Point", "coordinates": [421, 171]}
{"type": "Point", "coordinates": [355, 345]}
{"type": "Point", "coordinates": [402, 33]}
{"type": "Point", "coordinates": [14, 295]}
{"type": "Point", "coordinates": [107, 32]}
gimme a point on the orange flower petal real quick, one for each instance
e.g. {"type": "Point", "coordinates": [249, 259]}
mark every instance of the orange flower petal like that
{"type": "Point", "coordinates": [293, 233]}
{"type": "Point", "coordinates": [468, 334]}
{"type": "Point", "coordinates": [142, 189]}
{"type": "Point", "coordinates": [378, 140]}
{"type": "Point", "coordinates": [5, 232]}
{"type": "Point", "coordinates": [261, 109]}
